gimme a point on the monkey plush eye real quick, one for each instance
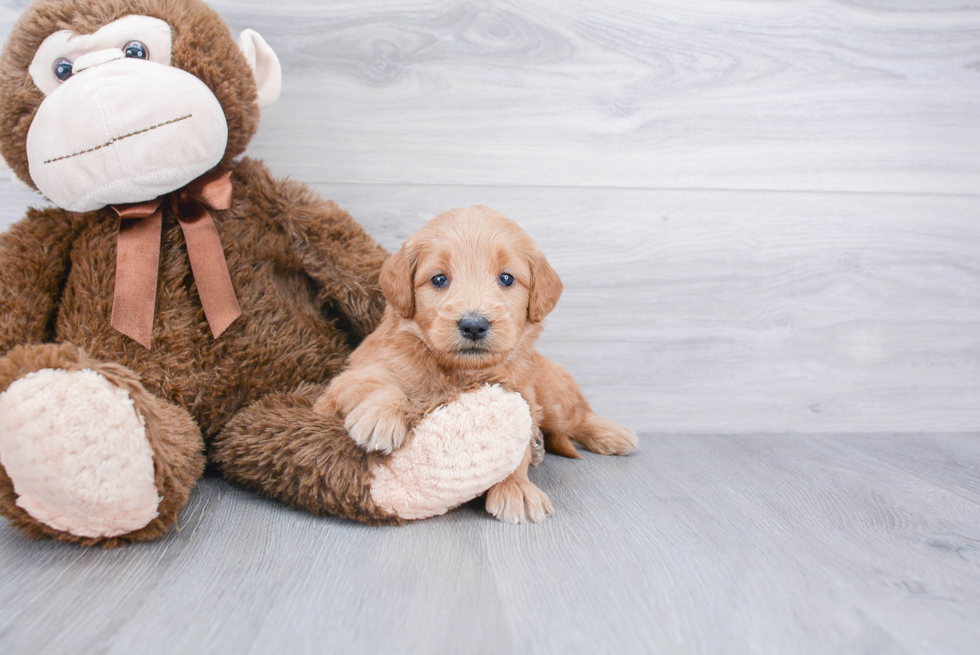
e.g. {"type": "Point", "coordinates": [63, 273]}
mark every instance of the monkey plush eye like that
{"type": "Point", "coordinates": [62, 69]}
{"type": "Point", "coordinates": [136, 50]}
{"type": "Point", "coordinates": [439, 281]}
{"type": "Point", "coordinates": [505, 279]}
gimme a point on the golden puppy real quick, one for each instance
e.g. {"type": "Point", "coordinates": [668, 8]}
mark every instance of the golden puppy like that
{"type": "Point", "coordinates": [466, 297]}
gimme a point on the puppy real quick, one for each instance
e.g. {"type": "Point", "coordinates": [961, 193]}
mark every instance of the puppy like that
{"type": "Point", "coordinates": [466, 298]}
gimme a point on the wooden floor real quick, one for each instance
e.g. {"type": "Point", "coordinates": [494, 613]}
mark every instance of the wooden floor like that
{"type": "Point", "coordinates": [767, 219]}
{"type": "Point", "coordinates": [697, 544]}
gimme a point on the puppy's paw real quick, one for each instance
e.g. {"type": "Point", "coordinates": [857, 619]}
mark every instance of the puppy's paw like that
{"type": "Point", "coordinates": [605, 437]}
{"type": "Point", "coordinates": [378, 423]}
{"type": "Point", "coordinates": [516, 501]}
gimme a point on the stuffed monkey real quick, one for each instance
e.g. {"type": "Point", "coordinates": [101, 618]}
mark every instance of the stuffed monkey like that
{"type": "Point", "coordinates": [179, 303]}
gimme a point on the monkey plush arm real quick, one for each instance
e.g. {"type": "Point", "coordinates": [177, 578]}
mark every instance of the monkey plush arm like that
{"type": "Point", "coordinates": [335, 252]}
{"type": "Point", "coordinates": [340, 256]}
{"type": "Point", "coordinates": [34, 261]}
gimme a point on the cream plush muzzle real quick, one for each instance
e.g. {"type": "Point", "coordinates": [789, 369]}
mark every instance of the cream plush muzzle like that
{"type": "Point", "coordinates": [123, 131]}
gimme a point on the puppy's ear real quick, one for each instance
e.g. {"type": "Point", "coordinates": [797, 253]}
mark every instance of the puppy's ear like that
{"type": "Point", "coordinates": [398, 282]}
{"type": "Point", "coordinates": [546, 288]}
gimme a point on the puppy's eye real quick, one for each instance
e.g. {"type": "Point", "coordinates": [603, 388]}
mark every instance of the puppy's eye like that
{"type": "Point", "coordinates": [505, 279]}
{"type": "Point", "coordinates": [136, 50]}
{"type": "Point", "coordinates": [63, 69]}
{"type": "Point", "coordinates": [439, 281]}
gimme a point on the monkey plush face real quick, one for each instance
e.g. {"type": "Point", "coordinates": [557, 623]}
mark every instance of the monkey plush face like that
{"type": "Point", "coordinates": [113, 109]}
{"type": "Point", "coordinates": [122, 101]}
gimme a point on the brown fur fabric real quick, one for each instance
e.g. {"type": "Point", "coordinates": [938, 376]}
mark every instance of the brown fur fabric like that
{"type": "Point", "coordinates": [306, 276]}
{"type": "Point", "coordinates": [281, 446]}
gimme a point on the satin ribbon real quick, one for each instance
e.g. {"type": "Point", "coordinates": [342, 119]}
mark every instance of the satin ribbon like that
{"type": "Point", "coordinates": [138, 256]}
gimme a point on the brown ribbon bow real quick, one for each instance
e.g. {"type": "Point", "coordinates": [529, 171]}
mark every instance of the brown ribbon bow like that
{"type": "Point", "coordinates": [138, 256]}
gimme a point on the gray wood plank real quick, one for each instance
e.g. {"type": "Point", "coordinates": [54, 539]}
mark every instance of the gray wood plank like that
{"type": "Point", "coordinates": [801, 309]}
{"type": "Point", "coordinates": [689, 312]}
{"type": "Point", "coordinates": [858, 96]}
{"type": "Point", "coordinates": [949, 461]}
{"type": "Point", "coordinates": [746, 312]}
{"type": "Point", "coordinates": [814, 95]}
{"type": "Point", "coordinates": [710, 544]}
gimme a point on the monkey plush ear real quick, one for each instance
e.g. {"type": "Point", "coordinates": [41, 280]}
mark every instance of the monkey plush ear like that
{"type": "Point", "coordinates": [398, 282]}
{"type": "Point", "coordinates": [265, 66]}
{"type": "Point", "coordinates": [546, 288]}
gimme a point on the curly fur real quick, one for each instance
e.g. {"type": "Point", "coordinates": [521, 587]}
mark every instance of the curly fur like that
{"type": "Point", "coordinates": [418, 353]}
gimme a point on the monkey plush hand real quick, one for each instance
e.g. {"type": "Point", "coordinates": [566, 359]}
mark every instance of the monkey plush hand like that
{"type": "Point", "coordinates": [179, 301]}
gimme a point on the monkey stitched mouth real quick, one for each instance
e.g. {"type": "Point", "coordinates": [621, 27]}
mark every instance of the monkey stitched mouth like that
{"type": "Point", "coordinates": [120, 138]}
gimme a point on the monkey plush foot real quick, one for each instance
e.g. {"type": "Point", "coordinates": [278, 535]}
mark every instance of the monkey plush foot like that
{"type": "Point", "coordinates": [76, 451]}
{"type": "Point", "coordinates": [455, 454]}
{"type": "Point", "coordinates": [87, 455]}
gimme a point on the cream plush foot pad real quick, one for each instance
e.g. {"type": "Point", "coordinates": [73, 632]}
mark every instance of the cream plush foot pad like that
{"type": "Point", "coordinates": [76, 450]}
{"type": "Point", "coordinates": [456, 453]}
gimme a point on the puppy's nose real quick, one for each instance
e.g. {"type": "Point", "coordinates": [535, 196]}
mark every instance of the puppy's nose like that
{"type": "Point", "coordinates": [474, 326]}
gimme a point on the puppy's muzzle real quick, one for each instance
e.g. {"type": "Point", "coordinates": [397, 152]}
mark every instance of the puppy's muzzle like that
{"type": "Point", "coordinates": [474, 327]}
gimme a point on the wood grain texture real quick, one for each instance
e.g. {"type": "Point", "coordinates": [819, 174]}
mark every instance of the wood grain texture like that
{"type": "Point", "coordinates": [813, 95]}
{"type": "Point", "coordinates": [765, 215]}
{"type": "Point", "coordinates": [736, 94]}
{"type": "Point", "coordinates": [686, 311]}
{"type": "Point", "coordinates": [711, 544]}
{"type": "Point", "coordinates": [745, 312]}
